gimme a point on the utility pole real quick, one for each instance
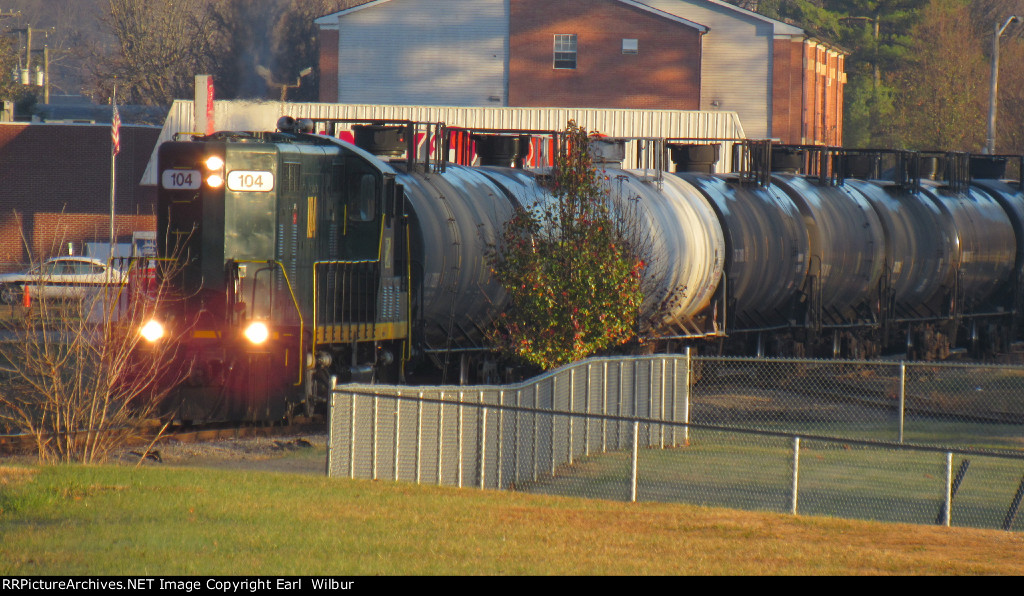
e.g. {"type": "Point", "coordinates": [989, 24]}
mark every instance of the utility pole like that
{"type": "Point", "coordinates": [990, 144]}
{"type": "Point", "coordinates": [26, 73]}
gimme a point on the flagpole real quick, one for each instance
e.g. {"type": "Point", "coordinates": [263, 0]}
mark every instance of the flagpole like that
{"type": "Point", "coordinates": [115, 125]}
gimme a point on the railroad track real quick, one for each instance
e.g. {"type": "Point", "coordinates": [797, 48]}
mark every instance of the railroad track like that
{"type": "Point", "coordinates": [24, 444]}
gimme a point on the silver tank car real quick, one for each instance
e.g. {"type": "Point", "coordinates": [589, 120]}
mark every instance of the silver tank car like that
{"type": "Point", "coordinates": [674, 229]}
{"type": "Point", "coordinates": [766, 248]}
{"type": "Point", "coordinates": [920, 243]}
{"type": "Point", "coordinates": [458, 219]}
{"type": "Point", "coordinates": [847, 243]}
{"type": "Point", "coordinates": [986, 245]}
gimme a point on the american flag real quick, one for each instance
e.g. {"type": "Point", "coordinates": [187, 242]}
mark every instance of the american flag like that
{"type": "Point", "coordinates": [115, 131]}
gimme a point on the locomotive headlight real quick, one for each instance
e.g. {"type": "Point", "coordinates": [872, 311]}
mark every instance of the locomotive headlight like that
{"type": "Point", "coordinates": [215, 180]}
{"type": "Point", "coordinates": [214, 163]}
{"type": "Point", "coordinates": [257, 332]}
{"type": "Point", "coordinates": [152, 331]}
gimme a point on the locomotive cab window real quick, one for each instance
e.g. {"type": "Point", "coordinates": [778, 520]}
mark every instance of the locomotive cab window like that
{"type": "Point", "coordinates": [362, 193]}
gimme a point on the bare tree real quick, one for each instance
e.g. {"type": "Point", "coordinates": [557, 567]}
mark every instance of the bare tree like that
{"type": "Point", "coordinates": [80, 377]}
{"type": "Point", "coordinates": [945, 90]}
{"type": "Point", "coordinates": [268, 43]}
{"type": "Point", "coordinates": [160, 47]}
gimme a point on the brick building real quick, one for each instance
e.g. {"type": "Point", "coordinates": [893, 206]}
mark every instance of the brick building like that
{"type": "Point", "coordinates": [56, 187]}
{"type": "Point", "coordinates": [647, 54]}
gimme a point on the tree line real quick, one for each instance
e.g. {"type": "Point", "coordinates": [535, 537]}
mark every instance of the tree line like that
{"type": "Point", "coordinates": [919, 70]}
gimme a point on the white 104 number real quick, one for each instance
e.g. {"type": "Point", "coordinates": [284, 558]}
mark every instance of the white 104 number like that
{"type": "Point", "coordinates": [250, 181]}
{"type": "Point", "coordinates": [180, 179]}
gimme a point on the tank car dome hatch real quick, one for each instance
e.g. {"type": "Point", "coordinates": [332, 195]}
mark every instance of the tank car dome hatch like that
{"type": "Point", "coordinates": [499, 150]}
{"type": "Point", "coordinates": [988, 167]}
{"type": "Point", "coordinates": [695, 158]}
{"type": "Point", "coordinates": [787, 160]}
{"type": "Point", "coordinates": [304, 125]}
{"type": "Point", "coordinates": [380, 139]}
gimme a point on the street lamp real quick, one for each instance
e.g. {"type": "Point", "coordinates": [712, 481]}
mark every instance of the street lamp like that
{"type": "Point", "coordinates": [990, 145]}
{"type": "Point", "coordinates": [264, 72]}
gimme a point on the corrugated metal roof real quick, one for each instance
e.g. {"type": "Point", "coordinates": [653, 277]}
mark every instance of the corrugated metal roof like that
{"type": "Point", "coordinates": [247, 115]}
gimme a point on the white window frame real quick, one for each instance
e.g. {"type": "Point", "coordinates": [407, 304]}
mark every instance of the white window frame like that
{"type": "Point", "coordinates": [630, 46]}
{"type": "Point", "coordinates": [565, 49]}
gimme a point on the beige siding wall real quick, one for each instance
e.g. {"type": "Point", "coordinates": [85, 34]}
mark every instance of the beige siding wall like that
{"type": "Point", "coordinates": [425, 52]}
{"type": "Point", "coordinates": [737, 61]}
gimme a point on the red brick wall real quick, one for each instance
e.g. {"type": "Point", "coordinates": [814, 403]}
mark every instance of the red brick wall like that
{"type": "Point", "coordinates": [664, 74]}
{"type": "Point", "coordinates": [824, 113]}
{"type": "Point", "coordinates": [56, 187]}
{"type": "Point", "coordinates": [823, 87]}
{"type": "Point", "coordinates": [787, 91]}
{"type": "Point", "coordinates": [328, 66]}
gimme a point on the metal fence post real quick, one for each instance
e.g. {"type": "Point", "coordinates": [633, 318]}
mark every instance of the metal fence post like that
{"type": "Point", "coordinates": [458, 424]}
{"type": "Point", "coordinates": [661, 427]}
{"type": "Point", "coordinates": [633, 465]}
{"type": "Point", "coordinates": [533, 453]}
{"type": "Point", "coordinates": [903, 397]}
{"type": "Point", "coordinates": [330, 416]}
{"type": "Point", "coordinates": [586, 409]}
{"type": "Point", "coordinates": [604, 407]}
{"type": "Point", "coordinates": [419, 438]}
{"type": "Point", "coordinates": [352, 438]}
{"type": "Point", "coordinates": [554, 385]}
{"type": "Point", "coordinates": [481, 437]}
{"type": "Point", "coordinates": [572, 408]}
{"type": "Point", "coordinates": [500, 457]}
{"type": "Point", "coordinates": [650, 401]}
{"type": "Point", "coordinates": [440, 439]}
{"type": "Point", "coordinates": [618, 412]}
{"type": "Point", "coordinates": [686, 399]}
{"type": "Point", "coordinates": [675, 399]}
{"type": "Point", "coordinates": [796, 476]}
{"type": "Point", "coordinates": [516, 437]}
{"type": "Point", "coordinates": [373, 441]}
{"type": "Point", "coordinates": [483, 448]}
{"type": "Point", "coordinates": [398, 430]}
{"type": "Point", "coordinates": [948, 512]}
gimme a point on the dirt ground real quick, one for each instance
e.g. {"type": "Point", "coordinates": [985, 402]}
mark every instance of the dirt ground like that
{"type": "Point", "coordinates": [299, 454]}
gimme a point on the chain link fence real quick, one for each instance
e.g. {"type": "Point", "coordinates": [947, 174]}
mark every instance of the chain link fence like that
{"type": "Point", "coordinates": [955, 405]}
{"type": "Point", "coordinates": [889, 442]}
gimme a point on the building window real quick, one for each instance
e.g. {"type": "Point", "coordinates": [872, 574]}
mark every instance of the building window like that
{"type": "Point", "coordinates": [565, 51]}
{"type": "Point", "coordinates": [630, 46]}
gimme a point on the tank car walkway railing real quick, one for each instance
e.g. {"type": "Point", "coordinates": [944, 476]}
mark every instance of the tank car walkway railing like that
{"type": "Point", "coordinates": [617, 429]}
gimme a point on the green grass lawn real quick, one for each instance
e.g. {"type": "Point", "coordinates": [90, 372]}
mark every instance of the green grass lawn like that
{"type": "Point", "coordinates": [153, 520]}
{"type": "Point", "coordinates": [723, 469]}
